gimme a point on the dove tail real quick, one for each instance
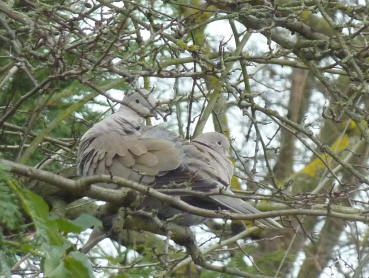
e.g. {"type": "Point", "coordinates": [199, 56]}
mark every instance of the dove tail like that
{"type": "Point", "coordinates": [240, 206]}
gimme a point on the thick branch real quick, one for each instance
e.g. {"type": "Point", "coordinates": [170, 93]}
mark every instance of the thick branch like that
{"type": "Point", "coordinates": [84, 187]}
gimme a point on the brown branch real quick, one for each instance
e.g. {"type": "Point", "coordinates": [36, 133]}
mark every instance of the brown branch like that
{"type": "Point", "coordinates": [275, 115]}
{"type": "Point", "coordinates": [15, 15]}
{"type": "Point", "coordinates": [84, 187]}
{"type": "Point", "coordinates": [30, 133]}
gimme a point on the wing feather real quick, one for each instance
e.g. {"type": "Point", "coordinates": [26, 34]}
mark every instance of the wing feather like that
{"type": "Point", "coordinates": [129, 156]}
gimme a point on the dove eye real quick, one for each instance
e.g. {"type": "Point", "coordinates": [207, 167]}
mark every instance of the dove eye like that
{"type": "Point", "coordinates": [137, 100]}
{"type": "Point", "coordinates": [219, 143]}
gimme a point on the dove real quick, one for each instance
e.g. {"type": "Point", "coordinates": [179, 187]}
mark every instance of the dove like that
{"type": "Point", "coordinates": [121, 145]}
{"type": "Point", "coordinates": [115, 146]}
{"type": "Point", "coordinates": [217, 146]}
{"type": "Point", "coordinates": [205, 167]}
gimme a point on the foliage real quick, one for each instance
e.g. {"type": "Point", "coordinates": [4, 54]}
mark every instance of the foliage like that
{"type": "Point", "coordinates": [286, 81]}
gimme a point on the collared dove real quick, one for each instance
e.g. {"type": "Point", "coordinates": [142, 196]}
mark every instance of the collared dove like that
{"type": "Point", "coordinates": [216, 147]}
{"type": "Point", "coordinates": [100, 143]}
{"type": "Point", "coordinates": [120, 145]}
{"type": "Point", "coordinates": [205, 167]}
{"type": "Point", "coordinates": [116, 146]}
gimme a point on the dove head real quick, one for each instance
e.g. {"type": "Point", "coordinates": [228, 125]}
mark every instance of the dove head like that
{"type": "Point", "coordinates": [215, 140]}
{"type": "Point", "coordinates": [141, 102]}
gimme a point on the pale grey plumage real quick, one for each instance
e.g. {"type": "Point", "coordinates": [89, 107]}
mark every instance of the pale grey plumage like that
{"type": "Point", "coordinates": [120, 145]}
{"type": "Point", "coordinates": [217, 146]}
{"type": "Point", "coordinates": [205, 162]}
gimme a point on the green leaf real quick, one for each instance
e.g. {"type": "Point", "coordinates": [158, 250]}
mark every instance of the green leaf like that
{"type": "Point", "coordinates": [27, 248]}
{"type": "Point", "coordinates": [10, 215]}
{"type": "Point", "coordinates": [59, 265]}
{"type": "Point", "coordinates": [86, 221]}
{"type": "Point", "coordinates": [36, 206]}
{"type": "Point", "coordinates": [38, 210]}
{"type": "Point", "coordinates": [78, 265]}
{"type": "Point", "coordinates": [5, 264]}
{"type": "Point", "coordinates": [53, 260]}
{"type": "Point", "coordinates": [68, 226]}
{"type": "Point", "coordinates": [82, 222]}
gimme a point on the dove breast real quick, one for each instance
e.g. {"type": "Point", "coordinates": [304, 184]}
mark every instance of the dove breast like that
{"type": "Point", "coordinates": [137, 157]}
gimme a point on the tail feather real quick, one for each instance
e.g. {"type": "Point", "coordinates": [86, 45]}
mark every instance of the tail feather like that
{"type": "Point", "coordinates": [240, 206]}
